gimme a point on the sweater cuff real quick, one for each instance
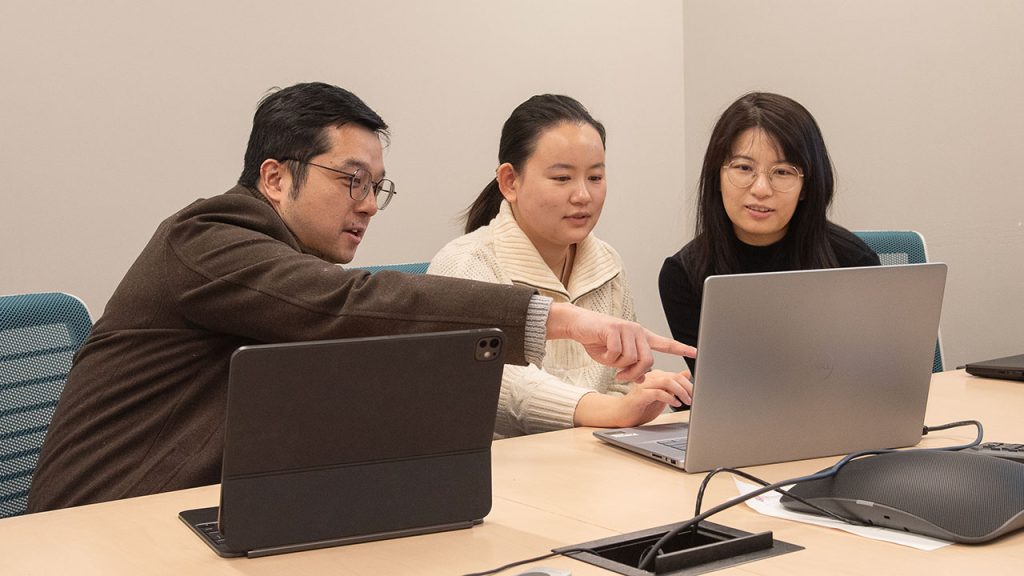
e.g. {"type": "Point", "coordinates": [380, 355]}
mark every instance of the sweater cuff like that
{"type": "Point", "coordinates": [535, 338]}
{"type": "Point", "coordinates": [554, 408]}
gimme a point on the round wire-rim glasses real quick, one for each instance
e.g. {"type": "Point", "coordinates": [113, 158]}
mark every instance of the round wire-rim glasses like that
{"type": "Point", "coordinates": [383, 189]}
{"type": "Point", "coordinates": [782, 177]}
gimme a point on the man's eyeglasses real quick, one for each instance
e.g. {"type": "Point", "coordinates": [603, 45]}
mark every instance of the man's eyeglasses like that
{"type": "Point", "coordinates": [360, 184]}
{"type": "Point", "coordinates": [781, 177]}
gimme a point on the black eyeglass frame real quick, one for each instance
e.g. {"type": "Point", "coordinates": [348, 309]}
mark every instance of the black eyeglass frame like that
{"type": "Point", "coordinates": [383, 185]}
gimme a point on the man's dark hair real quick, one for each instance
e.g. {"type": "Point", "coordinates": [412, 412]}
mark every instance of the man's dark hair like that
{"type": "Point", "coordinates": [289, 124]}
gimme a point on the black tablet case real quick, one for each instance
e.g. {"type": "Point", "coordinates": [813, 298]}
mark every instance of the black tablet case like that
{"type": "Point", "coordinates": [342, 441]}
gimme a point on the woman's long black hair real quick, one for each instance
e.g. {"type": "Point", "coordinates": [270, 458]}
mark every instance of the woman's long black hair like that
{"type": "Point", "coordinates": [795, 132]}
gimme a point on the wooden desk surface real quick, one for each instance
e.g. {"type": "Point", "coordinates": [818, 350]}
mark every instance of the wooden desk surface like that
{"type": "Point", "coordinates": [550, 490]}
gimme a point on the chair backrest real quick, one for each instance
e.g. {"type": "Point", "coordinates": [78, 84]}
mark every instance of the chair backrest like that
{"type": "Point", "coordinates": [901, 247]}
{"type": "Point", "coordinates": [411, 268]}
{"type": "Point", "coordinates": [39, 336]}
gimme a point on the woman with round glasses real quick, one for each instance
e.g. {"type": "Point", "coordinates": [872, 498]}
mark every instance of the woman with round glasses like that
{"type": "Point", "coordinates": [532, 226]}
{"type": "Point", "coordinates": [764, 192]}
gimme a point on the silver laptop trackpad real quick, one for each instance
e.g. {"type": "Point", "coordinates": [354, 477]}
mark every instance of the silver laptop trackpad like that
{"type": "Point", "coordinates": [662, 439]}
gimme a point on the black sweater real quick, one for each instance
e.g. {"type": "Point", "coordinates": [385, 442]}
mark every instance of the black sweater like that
{"type": "Point", "coordinates": [681, 301]}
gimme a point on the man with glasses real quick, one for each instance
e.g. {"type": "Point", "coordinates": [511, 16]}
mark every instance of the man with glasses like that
{"type": "Point", "coordinates": [143, 406]}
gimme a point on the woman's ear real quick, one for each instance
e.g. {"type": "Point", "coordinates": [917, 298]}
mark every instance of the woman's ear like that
{"type": "Point", "coordinates": [274, 182]}
{"type": "Point", "coordinates": [507, 181]}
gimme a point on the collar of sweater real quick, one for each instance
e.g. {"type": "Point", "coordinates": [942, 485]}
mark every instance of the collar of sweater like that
{"type": "Point", "coordinates": [594, 266]}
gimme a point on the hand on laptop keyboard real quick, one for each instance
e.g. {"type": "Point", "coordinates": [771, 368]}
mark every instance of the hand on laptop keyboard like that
{"type": "Point", "coordinates": [641, 404]}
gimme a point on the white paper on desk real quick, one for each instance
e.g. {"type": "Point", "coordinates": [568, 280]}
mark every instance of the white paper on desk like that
{"type": "Point", "coordinates": [769, 504]}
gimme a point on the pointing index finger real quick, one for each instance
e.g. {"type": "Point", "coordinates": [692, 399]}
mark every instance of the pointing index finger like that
{"type": "Point", "coordinates": [670, 346]}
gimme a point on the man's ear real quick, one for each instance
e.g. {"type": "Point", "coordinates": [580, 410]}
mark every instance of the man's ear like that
{"type": "Point", "coordinates": [275, 181]}
{"type": "Point", "coordinates": [508, 183]}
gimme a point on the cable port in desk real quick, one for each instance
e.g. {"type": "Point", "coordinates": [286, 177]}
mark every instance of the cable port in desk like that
{"type": "Point", "coordinates": [712, 547]}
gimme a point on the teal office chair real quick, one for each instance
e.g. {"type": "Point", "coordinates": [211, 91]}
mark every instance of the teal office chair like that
{"type": "Point", "coordinates": [901, 247]}
{"type": "Point", "coordinates": [39, 336]}
{"type": "Point", "coordinates": [411, 268]}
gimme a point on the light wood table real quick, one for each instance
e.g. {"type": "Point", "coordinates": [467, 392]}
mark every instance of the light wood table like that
{"type": "Point", "coordinates": [550, 490]}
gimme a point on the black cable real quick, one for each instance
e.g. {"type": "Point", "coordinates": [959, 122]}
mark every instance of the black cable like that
{"type": "Point", "coordinates": [648, 558]}
{"type": "Point", "coordinates": [981, 432]}
{"type": "Point", "coordinates": [528, 560]}
{"type": "Point", "coordinates": [751, 477]}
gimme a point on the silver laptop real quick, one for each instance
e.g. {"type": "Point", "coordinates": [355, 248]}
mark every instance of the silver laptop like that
{"type": "Point", "coordinates": [804, 364]}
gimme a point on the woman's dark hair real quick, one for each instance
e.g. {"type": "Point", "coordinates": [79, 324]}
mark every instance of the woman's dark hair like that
{"type": "Point", "coordinates": [289, 125]}
{"type": "Point", "coordinates": [519, 138]}
{"type": "Point", "coordinates": [793, 129]}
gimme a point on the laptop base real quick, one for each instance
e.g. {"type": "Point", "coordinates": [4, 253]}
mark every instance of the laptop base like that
{"type": "Point", "coordinates": [1008, 368]}
{"type": "Point", "coordinates": [203, 521]}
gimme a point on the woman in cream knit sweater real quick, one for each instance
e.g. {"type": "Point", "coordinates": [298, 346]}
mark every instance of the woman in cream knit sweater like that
{"type": "Point", "coordinates": [532, 226]}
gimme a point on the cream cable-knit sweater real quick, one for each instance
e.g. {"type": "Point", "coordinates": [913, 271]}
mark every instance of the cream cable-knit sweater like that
{"type": "Point", "coordinates": [537, 399]}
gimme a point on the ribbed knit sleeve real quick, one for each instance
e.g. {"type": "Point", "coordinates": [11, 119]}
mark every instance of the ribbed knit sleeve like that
{"type": "Point", "coordinates": [533, 401]}
{"type": "Point", "coordinates": [536, 332]}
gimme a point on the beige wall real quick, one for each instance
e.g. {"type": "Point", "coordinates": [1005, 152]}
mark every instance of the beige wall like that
{"type": "Point", "coordinates": [117, 113]}
{"type": "Point", "coordinates": [920, 103]}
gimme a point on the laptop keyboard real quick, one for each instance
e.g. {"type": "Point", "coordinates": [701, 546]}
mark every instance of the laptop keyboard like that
{"type": "Point", "coordinates": [1000, 450]}
{"type": "Point", "coordinates": [677, 443]}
